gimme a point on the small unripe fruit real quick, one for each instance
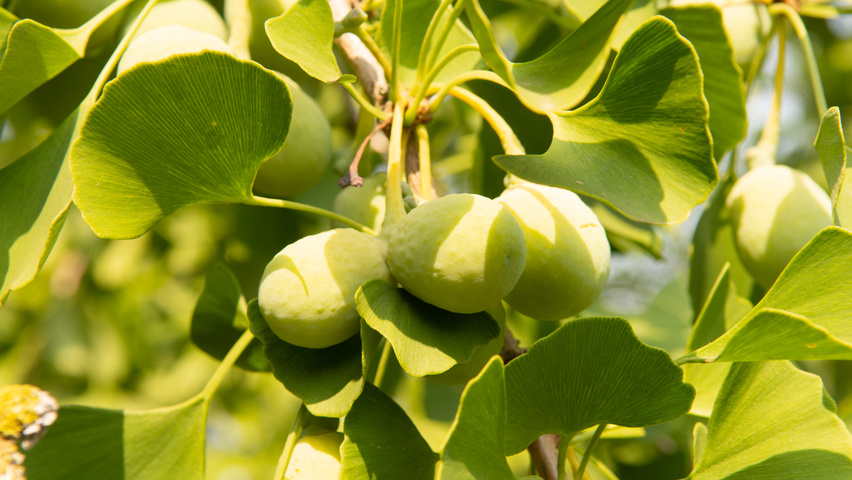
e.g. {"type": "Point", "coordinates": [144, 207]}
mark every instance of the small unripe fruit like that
{"type": "Point", "coordinates": [306, 154]}
{"type": "Point", "coordinates": [775, 211]}
{"type": "Point", "coordinates": [307, 292]}
{"type": "Point", "coordinates": [164, 42]}
{"type": "Point", "coordinates": [568, 256]}
{"type": "Point", "coordinates": [315, 457]}
{"type": "Point", "coordinates": [364, 204]}
{"type": "Point", "coordinates": [195, 14]}
{"type": "Point", "coordinates": [462, 252]}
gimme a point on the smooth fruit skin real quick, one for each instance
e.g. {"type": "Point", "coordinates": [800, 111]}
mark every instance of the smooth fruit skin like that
{"type": "Point", "coordinates": [315, 457]}
{"type": "Point", "coordinates": [463, 372]}
{"type": "Point", "coordinates": [568, 255]}
{"type": "Point", "coordinates": [462, 252]}
{"type": "Point", "coordinates": [775, 211]}
{"type": "Point", "coordinates": [195, 14]}
{"type": "Point", "coordinates": [307, 292]}
{"type": "Point", "coordinates": [163, 42]}
{"type": "Point", "coordinates": [306, 154]}
{"type": "Point", "coordinates": [364, 204]}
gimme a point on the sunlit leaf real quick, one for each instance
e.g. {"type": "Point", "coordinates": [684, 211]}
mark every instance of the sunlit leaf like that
{"type": "Point", "coordinates": [474, 446]}
{"type": "Point", "coordinates": [590, 371]}
{"type": "Point", "coordinates": [774, 422]}
{"type": "Point", "coordinates": [327, 380]}
{"type": "Point", "coordinates": [805, 315]}
{"type": "Point", "coordinates": [426, 339]}
{"type": "Point", "coordinates": [382, 443]}
{"type": "Point", "coordinates": [37, 188]}
{"type": "Point", "coordinates": [220, 319]}
{"type": "Point", "coordinates": [166, 135]}
{"type": "Point", "coordinates": [723, 84]}
{"type": "Point", "coordinates": [113, 444]}
{"type": "Point", "coordinates": [642, 146]}
{"type": "Point", "coordinates": [549, 83]}
{"type": "Point", "coordinates": [304, 34]}
{"type": "Point", "coordinates": [640, 11]}
{"type": "Point", "coordinates": [831, 147]}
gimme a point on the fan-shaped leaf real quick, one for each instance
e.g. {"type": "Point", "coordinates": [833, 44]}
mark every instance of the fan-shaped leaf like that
{"type": "Point", "coordinates": [591, 371]}
{"type": "Point", "coordinates": [831, 147]}
{"type": "Point", "coordinates": [190, 129]}
{"type": "Point", "coordinates": [304, 34]}
{"type": "Point", "coordinates": [426, 339]}
{"type": "Point", "coordinates": [773, 421]}
{"type": "Point", "coordinates": [642, 146]}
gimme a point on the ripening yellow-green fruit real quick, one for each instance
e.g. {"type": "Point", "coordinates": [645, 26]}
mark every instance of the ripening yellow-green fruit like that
{"type": "Point", "coordinates": [163, 42]}
{"type": "Point", "coordinates": [315, 457]}
{"type": "Point", "coordinates": [306, 154]}
{"type": "Point", "coordinates": [462, 252]}
{"type": "Point", "coordinates": [568, 255]}
{"type": "Point", "coordinates": [195, 14]}
{"type": "Point", "coordinates": [775, 210]}
{"type": "Point", "coordinates": [307, 291]}
{"type": "Point", "coordinates": [364, 204]}
{"type": "Point", "coordinates": [463, 372]}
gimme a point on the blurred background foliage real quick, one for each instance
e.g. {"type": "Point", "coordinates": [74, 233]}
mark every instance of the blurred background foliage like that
{"type": "Point", "coordinates": [106, 323]}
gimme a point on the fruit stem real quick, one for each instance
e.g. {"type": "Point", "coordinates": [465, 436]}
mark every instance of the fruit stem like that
{"type": "Point", "coordinates": [561, 457]}
{"type": "Point", "coordinates": [511, 144]}
{"type": "Point", "coordinates": [587, 455]}
{"type": "Point", "coordinates": [227, 362]}
{"type": "Point", "coordinates": [383, 364]}
{"type": "Point", "coordinates": [420, 92]}
{"type": "Point", "coordinates": [460, 79]}
{"type": "Point", "coordinates": [764, 152]}
{"type": "Point", "coordinates": [364, 103]}
{"type": "Point", "coordinates": [807, 48]}
{"type": "Point", "coordinates": [394, 207]}
{"type": "Point", "coordinates": [295, 432]}
{"type": "Point", "coordinates": [395, 93]}
{"type": "Point", "coordinates": [435, 49]}
{"type": "Point", "coordinates": [373, 48]}
{"type": "Point", "coordinates": [427, 40]}
{"type": "Point", "coordinates": [301, 207]}
{"type": "Point", "coordinates": [238, 18]}
{"type": "Point", "coordinates": [425, 163]}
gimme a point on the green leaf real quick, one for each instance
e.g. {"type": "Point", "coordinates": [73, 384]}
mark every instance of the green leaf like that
{"type": "Point", "coordinates": [304, 34]}
{"type": "Point", "coordinates": [642, 146]}
{"type": "Point", "coordinates": [723, 309]}
{"type": "Point", "coordinates": [382, 443]}
{"type": "Point", "coordinates": [713, 247]}
{"type": "Point", "coordinates": [474, 446]}
{"type": "Point", "coordinates": [220, 319]}
{"type": "Point", "coordinates": [640, 11]}
{"type": "Point", "coordinates": [37, 187]}
{"type": "Point", "coordinates": [590, 371]}
{"type": "Point", "coordinates": [805, 315]}
{"type": "Point", "coordinates": [549, 83]}
{"type": "Point", "coordinates": [327, 380]}
{"type": "Point", "coordinates": [426, 339]}
{"type": "Point", "coordinates": [831, 147]}
{"type": "Point", "coordinates": [93, 443]}
{"type": "Point", "coordinates": [626, 235]}
{"type": "Point", "coordinates": [774, 422]}
{"type": "Point", "coordinates": [166, 135]}
{"type": "Point", "coordinates": [416, 15]}
{"type": "Point", "coordinates": [723, 83]}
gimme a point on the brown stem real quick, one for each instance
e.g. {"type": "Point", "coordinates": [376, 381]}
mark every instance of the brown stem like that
{"type": "Point", "coordinates": [352, 178]}
{"type": "Point", "coordinates": [362, 62]}
{"type": "Point", "coordinates": [412, 170]}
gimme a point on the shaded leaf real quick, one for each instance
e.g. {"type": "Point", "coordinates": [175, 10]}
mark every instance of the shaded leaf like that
{"type": "Point", "coordinates": [626, 235]}
{"type": "Point", "coordinates": [93, 443]}
{"type": "Point", "coordinates": [304, 34]}
{"type": "Point", "coordinates": [382, 443]}
{"type": "Point", "coordinates": [220, 319]}
{"type": "Point", "coordinates": [474, 446]}
{"type": "Point", "coordinates": [426, 339]}
{"type": "Point", "coordinates": [805, 315]}
{"type": "Point", "coordinates": [773, 421]}
{"type": "Point", "coordinates": [642, 146]}
{"type": "Point", "coordinates": [327, 380]}
{"type": "Point", "coordinates": [723, 83]}
{"type": "Point", "coordinates": [549, 83]}
{"type": "Point", "coordinates": [166, 135]}
{"type": "Point", "coordinates": [37, 188]}
{"type": "Point", "coordinates": [564, 384]}
{"type": "Point", "coordinates": [830, 144]}
{"type": "Point", "coordinates": [640, 11]}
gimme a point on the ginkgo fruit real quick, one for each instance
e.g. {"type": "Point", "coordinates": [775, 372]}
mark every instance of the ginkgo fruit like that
{"type": "Point", "coordinates": [163, 42]}
{"type": "Point", "coordinates": [364, 204]}
{"type": "Point", "coordinates": [461, 252]}
{"type": "Point", "coordinates": [307, 291]}
{"type": "Point", "coordinates": [568, 255]}
{"type": "Point", "coordinates": [775, 211]}
{"type": "Point", "coordinates": [195, 14]}
{"type": "Point", "coordinates": [315, 457]}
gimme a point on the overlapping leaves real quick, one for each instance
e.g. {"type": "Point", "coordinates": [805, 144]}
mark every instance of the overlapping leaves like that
{"type": "Point", "coordinates": [304, 34]}
{"type": "Point", "coordinates": [831, 146]}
